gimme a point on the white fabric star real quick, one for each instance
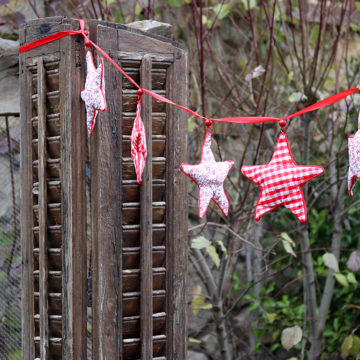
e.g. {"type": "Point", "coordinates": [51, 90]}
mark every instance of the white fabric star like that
{"type": "Point", "coordinates": [209, 175]}
{"type": "Point", "coordinates": [354, 159]}
{"type": "Point", "coordinates": [94, 93]}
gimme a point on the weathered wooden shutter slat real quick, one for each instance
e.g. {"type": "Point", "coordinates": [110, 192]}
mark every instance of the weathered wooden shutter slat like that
{"type": "Point", "coordinates": [146, 219]}
{"type": "Point", "coordinates": [53, 211]}
{"type": "Point", "coordinates": [43, 206]}
{"type": "Point", "coordinates": [151, 315]}
{"type": "Point", "coordinates": [177, 236]}
{"type": "Point", "coordinates": [106, 219]}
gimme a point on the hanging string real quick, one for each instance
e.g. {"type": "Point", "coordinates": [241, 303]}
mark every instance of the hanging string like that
{"type": "Point", "coordinates": [239, 120]}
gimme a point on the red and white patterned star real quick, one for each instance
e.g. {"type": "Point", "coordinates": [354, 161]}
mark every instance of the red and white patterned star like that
{"type": "Point", "coordinates": [281, 181]}
{"type": "Point", "coordinates": [209, 175]}
{"type": "Point", "coordinates": [138, 144]}
{"type": "Point", "coordinates": [354, 159]}
{"type": "Point", "coordinates": [94, 93]}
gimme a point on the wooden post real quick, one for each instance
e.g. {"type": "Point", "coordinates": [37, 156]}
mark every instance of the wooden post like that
{"type": "Point", "coordinates": [53, 202]}
{"type": "Point", "coordinates": [139, 232]}
{"type": "Point", "coordinates": [146, 220]}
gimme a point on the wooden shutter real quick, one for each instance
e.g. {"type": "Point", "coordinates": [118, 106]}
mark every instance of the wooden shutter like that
{"type": "Point", "coordinates": [53, 200]}
{"type": "Point", "coordinates": [139, 232]}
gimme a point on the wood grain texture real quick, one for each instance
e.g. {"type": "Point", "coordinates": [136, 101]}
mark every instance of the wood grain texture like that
{"type": "Point", "coordinates": [106, 214]}
{"type": "Point", "coordinates": [43, 205]}
{"type": "Point", "coordinates": [146, 220]}
{"type": "Point", "coordinates": [152, 326]}
{"type": "Point", "coordinates": [26, 214]}
{"type": "Point", "coordinates": [53, 208]}
{"type": "Point", "coordinates": [73, 177]}
{"type": "Point", "coordinates": [176, 198]}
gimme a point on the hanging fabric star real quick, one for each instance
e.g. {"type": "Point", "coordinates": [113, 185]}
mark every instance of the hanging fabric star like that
{"type": "Point", "coordinates": [94, 93]}
{"type": "Point", "coordinates": [209, 175]}
{"type": "Point", "coordinates": [354, 159]}
{"type": "Point", "coordinates": [138, 141]}
{"type": "Point", "coordinates": [281, 181]}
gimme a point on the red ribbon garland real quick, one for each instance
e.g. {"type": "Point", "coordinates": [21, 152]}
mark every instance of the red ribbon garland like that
{"type": "Point", "coordinates": [239, 120]}
{"type": "Point", "coordinates": [54, 37]}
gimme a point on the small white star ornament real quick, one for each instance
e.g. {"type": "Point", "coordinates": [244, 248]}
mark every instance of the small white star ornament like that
{"type": "Point", "coordinates": [209, 175]}
{"type": "Point", "coordinates": [354, 159]}
{"type": "Point", "coordinates": [94, 93]}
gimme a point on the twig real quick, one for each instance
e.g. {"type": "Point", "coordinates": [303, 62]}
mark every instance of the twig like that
{"type": "Point", "coordinates": [229, 230]}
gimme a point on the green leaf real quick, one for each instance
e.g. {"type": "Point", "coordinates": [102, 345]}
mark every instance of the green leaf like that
{"type": "Point", "coordinates": [193, 340]}
{"type": "Point", "coordinates": [331, 262]}
{"type": "Point", "coordinates": [174, 3]}
{"type": "Point", "coordinates": [254, 305]}
{"type": "Point", "coordinates": [290, 75]}
{"type": "Point", "coordinates": [222, 246]}
{"type": "Point", "coordinates": [290, 337]}
{"type": "Point", "coordinates": [204, 20]}
{"type": "Point", "coordinates": [198, 303]}
{"type": "Point", "coordinates": [15, 355]}
{"type": "Point", "coordinates": [288, 244]}
{"type": "Point", "coordinates": [315, 33]}
{"type": "Point", "coordinates": [214, 255]}
{"type": "Point", "coordinates": [341, 279]}
{"type": "Point", "coordinates": [249, 4]}
{"type": "Point", "coordinates": [297, 96]}
{"type": "Point", "coordinates": [350, 346]}
{"type": "Point", "coordinates": [200, 242]}
{"type": "Point", "coordinates": [191, 123]}
{"type": "Point", "coordinates": [138, 9]}
{"type": "Point", "coordinates": [118, 16]}
{"type": "Point", "coordinates": [351, 278]}
{"type": "Point", "coordinates": [222, 10]}
{"type": "Point", "coordinates": [271, 317]}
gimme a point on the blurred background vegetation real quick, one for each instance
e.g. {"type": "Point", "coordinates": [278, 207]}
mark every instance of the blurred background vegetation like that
{"type": "Point", "coordinates": [276, 289]}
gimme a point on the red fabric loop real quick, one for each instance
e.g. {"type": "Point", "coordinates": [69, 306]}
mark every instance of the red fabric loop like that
{"type": "Point", "coordinates": [282, 123]}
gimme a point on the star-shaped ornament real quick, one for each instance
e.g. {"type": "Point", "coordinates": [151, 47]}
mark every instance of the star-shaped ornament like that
{"type": "Point", "coordinates": [281, 181]}
{"type": "Point", "coordinates": [354, 159]}
{"type": "Point", "coordinates": [94, 93]}
{"type": "Point", "coordinates": [138, 144]}
{"type": "Point", "coordinates": [209, 175]}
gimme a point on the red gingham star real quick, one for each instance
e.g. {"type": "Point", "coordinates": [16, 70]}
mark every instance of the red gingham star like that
{"type": "Point", "coordinates": [209, 175]}
{"type": "Point", "coordinates": [138, 144]}
{"type": "Point", "coordinates": [281, 181]}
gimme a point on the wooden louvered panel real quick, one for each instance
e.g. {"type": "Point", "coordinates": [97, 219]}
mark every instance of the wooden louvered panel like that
{"type": "Point", "coordinates": [131, 279]}
{"type": "Point", "coordinates": [42, 218]}
{"type": "Point", "coordinates": [53, 210]}
{"type": "Point", "coordinates": [139, 231]}
{"type": "Point", "coordinates": [132, 325]}
{"type": "Point", "coordinates": [55, 325]}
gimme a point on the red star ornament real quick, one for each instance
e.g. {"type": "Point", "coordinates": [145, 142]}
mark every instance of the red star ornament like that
{"type": "Point", "coordinates": [281, 181]}
{"type": "Point", "coordinates": [209, 175]}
